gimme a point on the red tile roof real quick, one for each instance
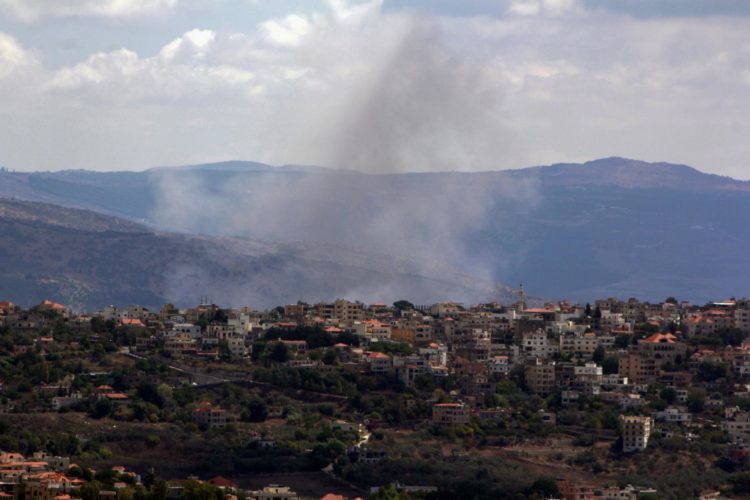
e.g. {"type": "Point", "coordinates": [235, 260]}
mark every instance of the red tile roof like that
{"type": "Point", "coordinates": [118, 396]}
{"type": "Point", "coordinates": [131, 322]}
{"type": "Point", "coordinates": [222, 482]}
{"type": "Point", "coordinates": [52, 305]}
{"type": "Point", "coordinates": [659, 338]}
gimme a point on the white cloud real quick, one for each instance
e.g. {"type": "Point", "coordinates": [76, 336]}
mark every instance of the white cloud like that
{"type": "Point", "coordinates": [32, 10]}
{"type": "Point", "coordinates": [536, 7]}
{"type": "Point", "coordinates": [180, 71]}
{"type": "Point", "coordinates": [288, 31]}
{"type": "Point", "coordinates": [346, 13]}
{"type": "Point", "coordinates": [525, 7]}
{"type": "Point", "coordinates": [364, 87]}
{"type": "Point", "coordinates": [559, 6]}
{"type": "Point", "coordinates": [193, 44]}
{"type": "Point", "coordinates": [99, 69]}
{"type": "Point", "coordinates": [12, 56]}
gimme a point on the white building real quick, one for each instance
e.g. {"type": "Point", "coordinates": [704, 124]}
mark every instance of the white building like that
{"type": "Point", "coordinates": [189, 329]}
{"type": "Point", "coordinates": [636, 431]}
{"type": "Point", "coordinates": [537, 345]}
{"type": "Point", "coordinates": [436, 354]}
{"type": "Point", "coordinates": [673, 415]}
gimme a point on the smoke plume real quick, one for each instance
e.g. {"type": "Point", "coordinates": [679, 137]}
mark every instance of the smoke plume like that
{"type": "Point", "coordinates": [404, 102]}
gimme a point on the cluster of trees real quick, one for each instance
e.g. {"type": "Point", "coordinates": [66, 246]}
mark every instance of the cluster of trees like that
{"type": "Point", "coordinates": [304, 378]}
{"type": "Point", "coordinates": [475, 480]}
{"type": "Point", "coordinates": [152, 487]}
{"type": "Point", "coordinates": [152, 401]}
{"type": "Point", "coordinates": [314, 336]}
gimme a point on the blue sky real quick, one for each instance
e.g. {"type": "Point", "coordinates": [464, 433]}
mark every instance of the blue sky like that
{"type": "Point", "coordinates": [391, 85]}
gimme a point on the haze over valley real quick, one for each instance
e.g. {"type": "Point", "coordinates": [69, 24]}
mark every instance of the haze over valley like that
{"type": "Point", "coordinates": [608, 227]}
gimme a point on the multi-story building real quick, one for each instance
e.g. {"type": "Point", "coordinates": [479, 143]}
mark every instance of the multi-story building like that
{"type": "Point", "coordinates": [221, 331]}
{"type": "Point", "coordinates": [435, 354]}
{"type": "Point", "coordinates": [636, 431]}
{"type": "Point", "coordinates": [589, 376]}
{"type": "Point", "coordinates": [379, 362]}
{"type": "Point", "coordinates": [450, 414]}
{"type": "Point", "coordinates": [536, 345]}
{"type": "Point", "coordinates": [187, 329]}
{"type": "Point", "coordinates": [348, 312]}
{"type": "Point", "coordinates": [499, 365]}
{"type": "Point", "coordinates": [584, 344]}
{"type": "Point", "coordinates": [445, 309]}
{"type": "Point", "coordinates": [275, 492]}
{"type": "Point", "coordinates": [373, 329]}
{"type": "Point", "coordinates": [180, 343]}
{"type": "Point", "coordinates": [47, 486]}
{"type": "Point", "coordinates": [643, 363]}
{"type": "Point", "coordinates": [540, 377]}
{"type": "Point", "coordinates": [210, 415]}
{"type": "Point", "coordinates": [295, 312]}
{"type": "Point", "coordinates": [742, 318]}
{"type": "Point", "coordinates": [673, 415]}
{"type": "Point", "coordinates": [662, 347]}
{"type": "Point", "coordinates": [420, 334]}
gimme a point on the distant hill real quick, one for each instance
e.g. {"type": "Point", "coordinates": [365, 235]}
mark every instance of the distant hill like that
{"type": "Point", "coordinates": [633, 174]}
{"type": "Point", "coordinates": [88, 260]}
{"type": "Point", "coordinates": [612, 226]}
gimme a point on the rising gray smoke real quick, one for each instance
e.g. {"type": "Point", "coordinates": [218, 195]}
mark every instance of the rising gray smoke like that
{"type": "Point", "coordinates": [418, 106]}
{"type": "Point", "coordinates": [412, 103]}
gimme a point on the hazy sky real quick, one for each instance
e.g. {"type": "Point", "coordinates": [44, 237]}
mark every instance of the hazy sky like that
{"type": "Point", "coordinates": [380, 85]}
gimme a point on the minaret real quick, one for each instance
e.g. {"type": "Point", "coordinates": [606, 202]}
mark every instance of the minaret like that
{"type": "Point", "coordinates": [521, 304]}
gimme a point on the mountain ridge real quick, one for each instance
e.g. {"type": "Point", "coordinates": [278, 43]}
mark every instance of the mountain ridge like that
{"type": "Point", "coordinates": [240, 166]}
{"type": "Point", "coordinates": [612, 225]}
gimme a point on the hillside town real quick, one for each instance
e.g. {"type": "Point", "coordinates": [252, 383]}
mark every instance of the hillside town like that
{"type": "Point", "coordinates": [610, 399]}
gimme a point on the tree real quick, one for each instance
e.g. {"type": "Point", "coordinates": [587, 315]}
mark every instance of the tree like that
{"type": "Point", "coordinates": [149, 392]}
{"type": "Point", "coordinates": [257, 350]}
{"type": "Point", "coordinates": [669, 395]}
{"type": "Point", "coordinates": [257, 411]}
{"type": "Point", "coordinates": [330, 357]}
{"type": "Point", "coordinates": [623, 341]}
{"type": "Point", "coordinates": [279, 353]}
{"type": "Point", "coordinates": [610, 365]}
{"type": "Point", "coordinates": [101, 408]}
{"type": "Point", "coordinates": [224, 352]}
{"type": "Point", "coordinates": [545, 486]}
{"type": "Point", "coordinates": [89, 491]}
{"type": "Point", "coordinates": [696, 400]}
{"type": "Point", "coordinates": [348, 338]}
{"type": "Point", "coordinates": [387, 493]}
{"type": "Point", "coordinates": [740, 482]}
{"type": "Point", "coordinates": [195, 490]}
{"type": "Point", "coordinates": [587, 311]}
{"type": "Point", "coordinates": [106, 476]}
{"type": "Point", "coordinates": [159, 490]}
{"type": "Point", "coordinates": [403, 305]}
{"type": "Point", "coordinates": [599, 354]}
{"type": "Point", "coordinates": [731, 336]}
{"type": "Point", "coordinates": [711, 372]}
{"type": "Point", "coordinates": [124, 494]}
